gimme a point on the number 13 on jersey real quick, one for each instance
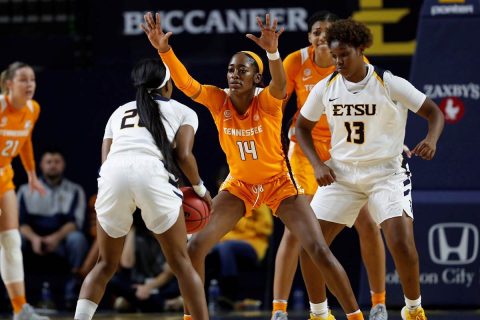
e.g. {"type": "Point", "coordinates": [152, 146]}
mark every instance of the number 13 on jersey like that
{"type": "Point", "coordinates": [245, 147]}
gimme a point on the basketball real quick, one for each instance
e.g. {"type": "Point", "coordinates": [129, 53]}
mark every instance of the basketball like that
{"type": "Point", "coordinates": [195, 209]}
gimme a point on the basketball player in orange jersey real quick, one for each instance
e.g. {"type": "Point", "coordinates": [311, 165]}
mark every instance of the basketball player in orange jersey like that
{"type": "Point", "coordinates": [18, 114]}
{"type": "Point", "coordinates": [249, 121]}
{"type": "Point", "coordinates": [304, 68]}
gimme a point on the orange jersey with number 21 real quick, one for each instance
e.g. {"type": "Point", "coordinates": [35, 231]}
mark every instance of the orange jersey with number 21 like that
{"type": "Point", "coordinates": [16, 131]}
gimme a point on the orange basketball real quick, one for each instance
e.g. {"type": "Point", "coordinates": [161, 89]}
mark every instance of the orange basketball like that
{"type": "Point", "coordinates": [196, 210]}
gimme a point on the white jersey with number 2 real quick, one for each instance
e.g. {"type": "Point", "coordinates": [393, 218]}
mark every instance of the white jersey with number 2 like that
{"type": "Point", "coordinates": [137, 139]}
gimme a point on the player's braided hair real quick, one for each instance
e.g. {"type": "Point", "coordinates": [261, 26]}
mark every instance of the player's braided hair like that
{"type": "Point", "coordinates": [148, 74]}
{"type": "Point", "coordinates": [349, 32]}
{"type": "Point", "coordinates": [9, 73]}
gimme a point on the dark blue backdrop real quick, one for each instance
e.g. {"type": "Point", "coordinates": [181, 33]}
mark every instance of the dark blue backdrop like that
{"type": "Point", "coordinates": [83, 68]}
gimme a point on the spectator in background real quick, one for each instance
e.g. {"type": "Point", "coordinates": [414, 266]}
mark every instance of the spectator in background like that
{"type": "Point", "coordinates": [18, 113]}
{"type": "Point", "coordinates": [245, 245]}
{"type": "Point", "coordinates": [53, 223]}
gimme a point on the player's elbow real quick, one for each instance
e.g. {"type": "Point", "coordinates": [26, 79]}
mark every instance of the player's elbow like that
{"type": "Point", "coordinates": [183, 156]}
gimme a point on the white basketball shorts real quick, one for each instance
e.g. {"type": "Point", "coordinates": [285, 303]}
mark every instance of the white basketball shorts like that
{"type": "Point", "coordinates": [140, 181]}
{"type": "Point", "coordinates": [385, 185]}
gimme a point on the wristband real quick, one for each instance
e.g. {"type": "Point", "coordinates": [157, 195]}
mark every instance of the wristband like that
{"type": "Point", "coordinates": [200, 189]}
{"type": "Point", "coordinates": [273, 56]}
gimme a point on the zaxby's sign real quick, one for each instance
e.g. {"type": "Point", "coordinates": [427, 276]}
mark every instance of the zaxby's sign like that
{"type": "Point", "coordinates": [445, 66]}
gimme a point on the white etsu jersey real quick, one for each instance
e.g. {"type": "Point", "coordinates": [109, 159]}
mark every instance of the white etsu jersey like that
{"type": "Point", "coordinates": [367, 119]}
{"type": "Point", "coordinates": [128, 137]}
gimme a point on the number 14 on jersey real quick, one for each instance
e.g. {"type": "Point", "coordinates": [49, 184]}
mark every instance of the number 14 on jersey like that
{"type": "Point", "coordinates": [247, 147]}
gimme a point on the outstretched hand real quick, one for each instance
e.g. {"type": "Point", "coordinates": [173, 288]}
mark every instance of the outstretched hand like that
{"type": "Point", "coordinates": [154, 32]}
{"type": "Point", "coordinates": [269, 35]}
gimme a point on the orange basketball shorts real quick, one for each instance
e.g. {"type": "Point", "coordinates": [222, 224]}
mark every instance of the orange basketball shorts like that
{"type": "Point", "coordinates": [6, 179]}
{"type": "Point", "coordinates": [302, 168]}
{"type": "Point", "coordinates": [271, 193]}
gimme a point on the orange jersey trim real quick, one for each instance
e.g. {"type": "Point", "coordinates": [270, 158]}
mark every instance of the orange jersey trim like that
{"type": "Point", "coordinates": [302, 75]}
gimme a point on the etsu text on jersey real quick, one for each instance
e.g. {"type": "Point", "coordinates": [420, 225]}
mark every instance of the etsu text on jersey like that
{"type": "Point", "coordinates": [354, 109]}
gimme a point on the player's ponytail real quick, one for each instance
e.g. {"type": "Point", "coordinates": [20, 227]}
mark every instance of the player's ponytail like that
{"type": "Point", "coordinates": [148, 75]}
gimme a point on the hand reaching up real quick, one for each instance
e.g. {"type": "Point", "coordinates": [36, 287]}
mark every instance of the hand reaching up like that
{"type": "Point", "coordinates": [154, 32]}
{"type": "Point", "coordinates": [269, 35]}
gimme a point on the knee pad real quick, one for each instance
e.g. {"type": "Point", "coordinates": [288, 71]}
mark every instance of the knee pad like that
{"type": "Point", "coordinates": [11, 259]}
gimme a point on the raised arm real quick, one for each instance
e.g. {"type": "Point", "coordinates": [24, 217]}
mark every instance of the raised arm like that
{"type": "Point", "coordinates": [159, 40]}
{"type": "Point", "coordinates": [268, 41]}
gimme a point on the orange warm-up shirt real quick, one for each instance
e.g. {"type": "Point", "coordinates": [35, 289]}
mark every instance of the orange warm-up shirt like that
{"type": "Point", "coordinates": [16, 128]}
{"type": "Point", "coordinates": [251, 141]}
{"type": "Point", "coordinates": [302, 75]}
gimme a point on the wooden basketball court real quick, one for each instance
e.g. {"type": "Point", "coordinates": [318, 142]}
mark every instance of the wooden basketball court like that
{"type": "Point", "coordinates": [265, 315]}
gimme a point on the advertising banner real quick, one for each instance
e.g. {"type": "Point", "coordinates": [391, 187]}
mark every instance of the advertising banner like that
{"type": "Point", "coordinates": [447, 235]}
{"type": "Point", "coordinates": [446, 67]}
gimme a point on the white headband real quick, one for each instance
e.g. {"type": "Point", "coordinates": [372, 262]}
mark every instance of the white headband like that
{"type": "Point", "coordinates": [165, 80]}
{"type": "Point", "coordinates": [167, 77]}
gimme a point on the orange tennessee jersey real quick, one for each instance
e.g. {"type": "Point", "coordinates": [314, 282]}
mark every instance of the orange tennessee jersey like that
{"type": "Point", "coordinates": [302, 75]}
{"type": "Point", "coordinates": [16, 131]}
{"type": "Point", "coordinates": [251, 141]}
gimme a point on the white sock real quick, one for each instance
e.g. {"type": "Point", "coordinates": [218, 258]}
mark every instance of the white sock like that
{"type": "Point", "coordinates": [355, 312]}
{"type": "Point", "coordinates": [413, 304]}
{"type": "Point", "coordinates": [85, 309]}
{"type": "Point", "coordinates": [279, 300]}
{"type": "Point", "coordinates": [319, 309]}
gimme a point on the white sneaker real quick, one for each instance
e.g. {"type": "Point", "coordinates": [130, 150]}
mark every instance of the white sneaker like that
{"type": "Point", "coordinates": [378, 312]}
{"type": "Point", "coordinates": [28, 313]}
{"type": "Point", "coordinates": [279, 315]}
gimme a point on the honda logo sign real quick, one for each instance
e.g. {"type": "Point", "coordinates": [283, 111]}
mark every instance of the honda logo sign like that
{"type": "Point", "coordinates": [453, 243]}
